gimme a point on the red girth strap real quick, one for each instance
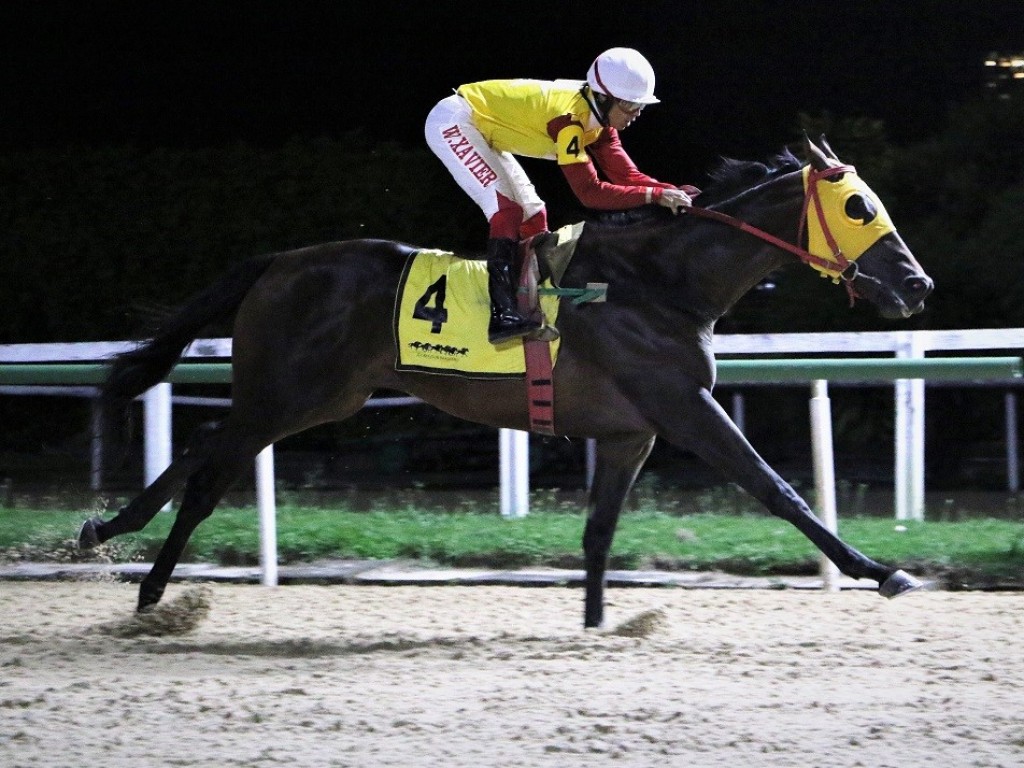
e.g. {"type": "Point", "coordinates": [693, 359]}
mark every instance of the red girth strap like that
{"type": "Point", "coordinates": [540, 390]}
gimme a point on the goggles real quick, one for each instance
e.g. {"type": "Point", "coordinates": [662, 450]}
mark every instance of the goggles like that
{"type": "Point", "coordinates": [630, 107]}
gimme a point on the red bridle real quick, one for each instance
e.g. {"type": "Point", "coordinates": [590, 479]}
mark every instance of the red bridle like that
{"type": "Point", "coordinates": [847, 269]}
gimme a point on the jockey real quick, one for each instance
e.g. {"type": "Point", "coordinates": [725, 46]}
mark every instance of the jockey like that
{"type": "Point", "coordinates": [478, 131]}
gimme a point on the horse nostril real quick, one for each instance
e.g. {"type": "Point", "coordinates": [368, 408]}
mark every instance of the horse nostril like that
{"type": "Point", "coordinates": [918, 286]}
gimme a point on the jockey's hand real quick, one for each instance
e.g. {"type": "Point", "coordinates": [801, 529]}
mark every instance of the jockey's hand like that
{"type": "Point", "coordinates": [675, 200]}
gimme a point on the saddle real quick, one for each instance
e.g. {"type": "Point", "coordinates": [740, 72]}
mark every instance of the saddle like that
{"type": "Point", "coordinates": [441, 315]}
{"type": "Point", "coordinates": [546, 257]}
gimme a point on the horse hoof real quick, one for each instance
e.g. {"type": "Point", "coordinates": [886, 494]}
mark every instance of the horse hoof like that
{"type": "Point", "coordinates": [149, 596]}
{"type": "Point", "coordinates": [899, 583]}
{"type": "Point", "coordinates": [88, 535]}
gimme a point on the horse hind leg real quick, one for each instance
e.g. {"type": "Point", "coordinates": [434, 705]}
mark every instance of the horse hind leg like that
{"type": "Point", "coordinates": [203, 491]}
{"type": "Point", "coordinates": [138, 513]}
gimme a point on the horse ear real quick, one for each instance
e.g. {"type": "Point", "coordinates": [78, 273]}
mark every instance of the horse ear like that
{"type": "Point", "coordinates": [823, 143]}
{"type": "Point", "coordinates": [815, 156]}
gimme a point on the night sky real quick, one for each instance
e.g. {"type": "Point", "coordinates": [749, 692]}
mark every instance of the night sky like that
{"type": "Point", "coordinates": [732, 73]}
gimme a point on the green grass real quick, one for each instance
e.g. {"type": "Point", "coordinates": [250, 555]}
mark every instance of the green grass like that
{"type": "Point", "coordinates": [738, 542]}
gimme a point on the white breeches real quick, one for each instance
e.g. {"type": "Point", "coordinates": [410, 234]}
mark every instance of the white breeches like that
{"type": "Point", "coordinates": [481, 171]}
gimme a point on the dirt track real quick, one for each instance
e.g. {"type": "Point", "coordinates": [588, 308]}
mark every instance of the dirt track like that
{"type": "Point", "coordinates": [504, 676]}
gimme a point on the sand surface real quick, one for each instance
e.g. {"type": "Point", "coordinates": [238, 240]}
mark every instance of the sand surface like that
{"type": "Point", "coordinates": [506, 676]}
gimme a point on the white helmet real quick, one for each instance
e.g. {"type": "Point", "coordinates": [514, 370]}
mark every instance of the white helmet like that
{"type": "Point", "coordinates": [623, 73]}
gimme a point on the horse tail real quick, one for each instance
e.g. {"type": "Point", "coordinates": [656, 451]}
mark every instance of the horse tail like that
{"type": "Point", "coordinates": [135, 371]}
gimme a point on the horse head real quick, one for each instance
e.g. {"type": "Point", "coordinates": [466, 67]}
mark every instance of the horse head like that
{"type": "Point", "coordinates": [853, 239]}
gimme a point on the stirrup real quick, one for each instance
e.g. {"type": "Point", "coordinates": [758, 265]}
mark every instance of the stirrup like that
{"type": "Point", "coordinates": [505, 331]}
{"type": "Point", "coordinates": [546, 332]}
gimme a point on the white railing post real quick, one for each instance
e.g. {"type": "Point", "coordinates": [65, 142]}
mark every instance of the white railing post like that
{"type": "Point", "coordinates": [514, 449]}
{"type": "Point", "coordinates": [909, 434]}
{"type": "Point", "coordinates": [156, 404]}
{"type": "Point", "coordinates": [824, 474]}
{"type": "Point", "coordinates": [739, 411]}
{"type": "Point", "coordinates": [266, 504]}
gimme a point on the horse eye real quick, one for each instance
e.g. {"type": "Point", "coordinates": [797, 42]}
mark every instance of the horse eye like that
{"type": "Point", "coordinates": [860, 208]}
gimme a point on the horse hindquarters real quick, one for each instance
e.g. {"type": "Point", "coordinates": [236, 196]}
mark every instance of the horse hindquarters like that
{"type": "Point", "coordinates": [618, 462]}
{"type": "Point", "coordinates": [309, 347]}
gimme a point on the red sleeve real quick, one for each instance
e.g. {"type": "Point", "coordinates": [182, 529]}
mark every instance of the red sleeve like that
{"type": "Point", "coordinates": [602, 195]}
{"type": "Point", "coordinates": [617, 166]}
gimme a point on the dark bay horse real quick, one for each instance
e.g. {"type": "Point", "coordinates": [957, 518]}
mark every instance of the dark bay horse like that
{"type": "Point", "coordinates": [313, 340]}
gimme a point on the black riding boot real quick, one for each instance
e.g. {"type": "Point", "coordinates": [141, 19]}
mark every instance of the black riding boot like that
{"type": "Point", "coordinates": [502, 283]}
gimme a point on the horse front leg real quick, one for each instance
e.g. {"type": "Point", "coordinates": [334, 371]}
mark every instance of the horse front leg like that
{"type": "Point", "coordinates": [618, 462]}
{"type": "Point", "coordinates": [707, 430]}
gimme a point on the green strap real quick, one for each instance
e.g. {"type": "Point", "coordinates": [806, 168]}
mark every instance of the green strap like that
{"type": "Point", "coordinates": [578, 295]}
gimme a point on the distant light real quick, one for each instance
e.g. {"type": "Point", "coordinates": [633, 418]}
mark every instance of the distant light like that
{"type": "Point", "coordinates": [1007, 62]}
{"type": "Point", "coordinates": [1007, 75]}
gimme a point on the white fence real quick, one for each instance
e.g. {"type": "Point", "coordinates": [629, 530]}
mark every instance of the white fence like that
{"type": "Point", "coordinates": [909, 395]}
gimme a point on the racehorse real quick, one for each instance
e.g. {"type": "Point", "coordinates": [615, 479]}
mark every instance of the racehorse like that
{"type": "Point", "coordinates": [312, 341]}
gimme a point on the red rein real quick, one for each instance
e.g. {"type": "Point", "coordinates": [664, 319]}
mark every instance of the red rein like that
{"type": "Point", "coordinates": [841, 263]}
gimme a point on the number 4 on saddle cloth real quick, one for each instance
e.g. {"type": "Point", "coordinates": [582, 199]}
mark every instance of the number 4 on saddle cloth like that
{"type": "Point", "coordinates": [442, 311]}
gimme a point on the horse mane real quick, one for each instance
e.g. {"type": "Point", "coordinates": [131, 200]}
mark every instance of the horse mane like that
{"type": "Point", "coordinates": [733, 177]}
{"type": "Point", "coordinates": [729, 179]}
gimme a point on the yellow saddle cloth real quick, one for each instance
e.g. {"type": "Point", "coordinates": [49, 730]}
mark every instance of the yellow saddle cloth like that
{"type": "Point", "coordinates": [441, 315]}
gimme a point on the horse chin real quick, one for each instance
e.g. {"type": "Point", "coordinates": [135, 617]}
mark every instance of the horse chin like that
{"type": "Point", "coordinates": [902, 312]}
{"type": "Point", "coordinates": [890, 305]}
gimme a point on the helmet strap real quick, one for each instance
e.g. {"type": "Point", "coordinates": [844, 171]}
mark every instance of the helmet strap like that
{"type": "Point", "coordinates": [595, 104]}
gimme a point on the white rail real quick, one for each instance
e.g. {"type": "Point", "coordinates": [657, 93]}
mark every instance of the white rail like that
{"type": "Point", "coordinates": [514, 446]}
{"type": "Point", "coordinates": [909, 395]}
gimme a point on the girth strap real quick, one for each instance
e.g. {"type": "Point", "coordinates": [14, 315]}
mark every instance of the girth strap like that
{"type": "Point", "coordinates": [540, 391]}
